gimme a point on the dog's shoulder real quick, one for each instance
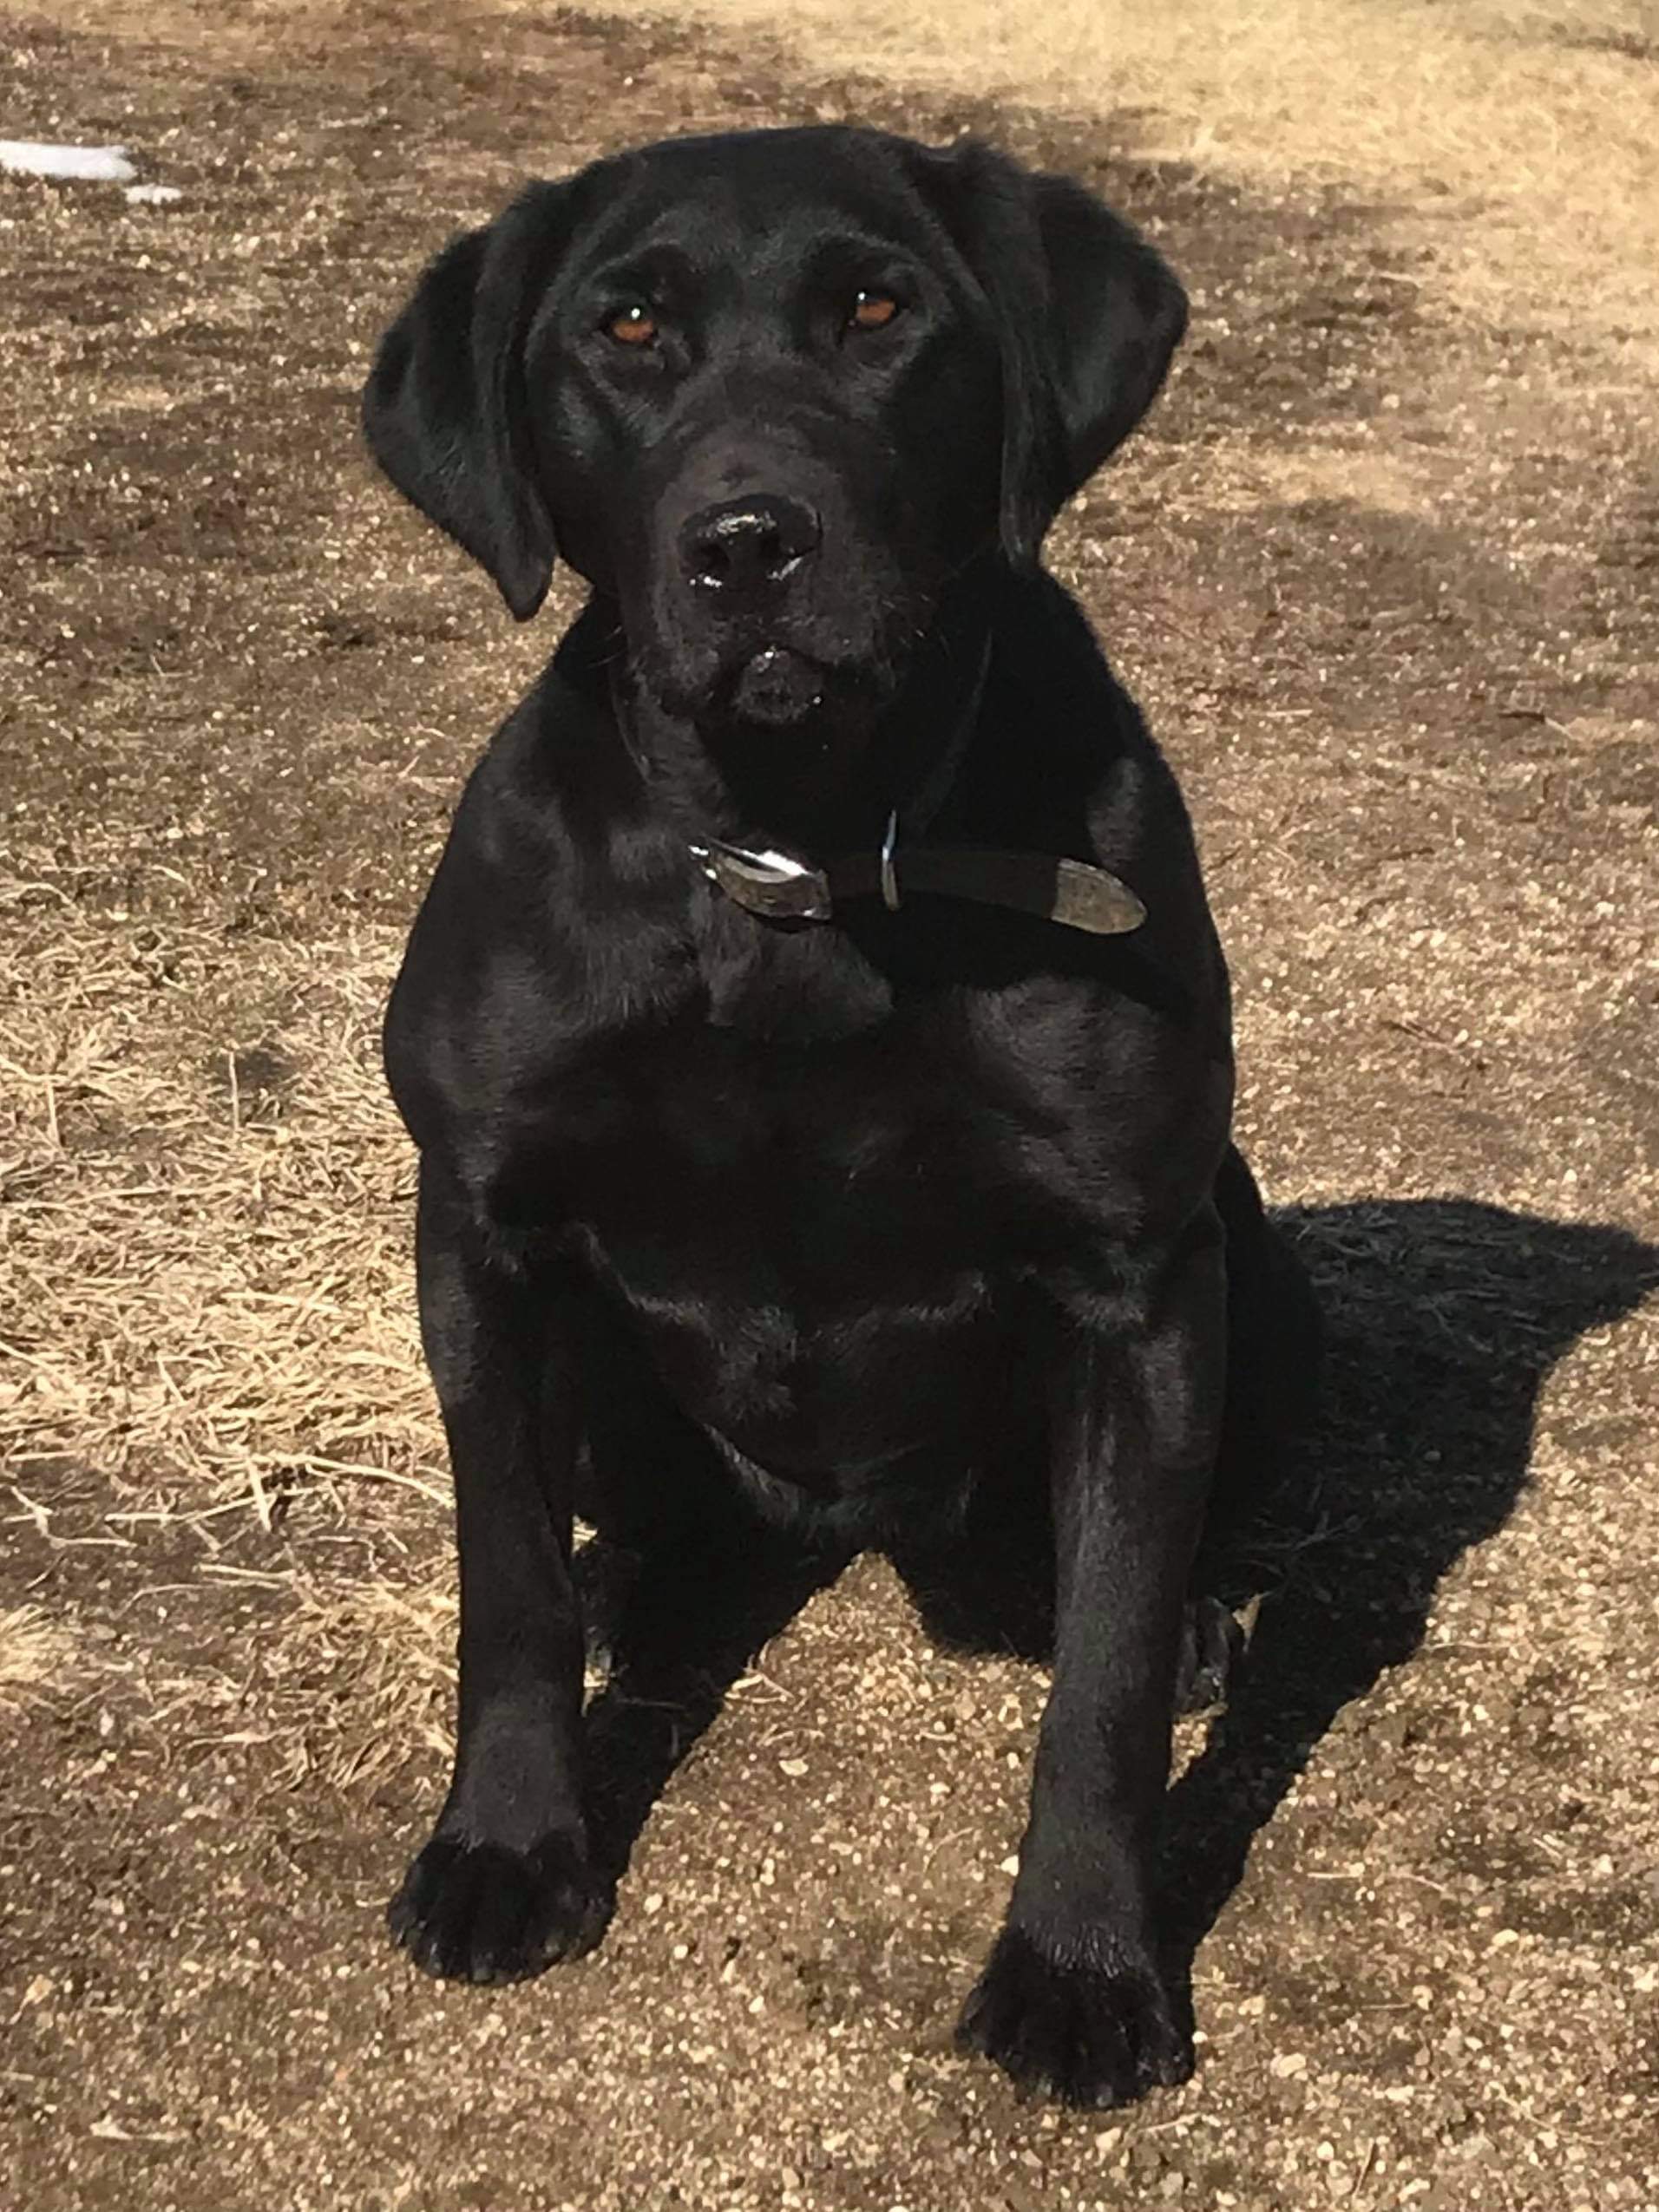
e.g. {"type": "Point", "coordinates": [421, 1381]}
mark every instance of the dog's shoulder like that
{"type": "Point", "coordinates": [556, 909]}
{"type": "Point", "coordinates": [1067, 765]}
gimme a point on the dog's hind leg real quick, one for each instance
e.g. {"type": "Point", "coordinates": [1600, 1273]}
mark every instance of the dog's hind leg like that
{"type": "Point", "coordinates": [1274, 1348]}
{"type": "Point", "coordinates": [1274, 1345]}
{"type": "Point", "coordinates": [1212, 1642]}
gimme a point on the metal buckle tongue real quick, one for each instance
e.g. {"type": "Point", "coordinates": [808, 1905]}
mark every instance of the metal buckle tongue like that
{"type": "Point", "coordinates": [772, 883]}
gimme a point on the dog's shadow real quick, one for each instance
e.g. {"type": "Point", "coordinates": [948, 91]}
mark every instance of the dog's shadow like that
{"type": "Point", "coordinates": [1442, 1320]}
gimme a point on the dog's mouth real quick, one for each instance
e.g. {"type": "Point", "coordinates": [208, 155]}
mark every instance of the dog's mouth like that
{"type": "Point", "coordinates": [783, 728]}
{"type": "Point", "coordinates": [769, 688]}
{"type": "Point", "coordinates": [774, 689]}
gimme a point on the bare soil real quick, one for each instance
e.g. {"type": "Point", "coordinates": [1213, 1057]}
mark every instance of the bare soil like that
{"type": "Point", "coordinates": [1382, 567]}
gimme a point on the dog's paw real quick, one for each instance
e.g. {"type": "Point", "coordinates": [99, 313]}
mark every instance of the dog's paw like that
{"type": "Point", "coordinates": [482, 1913]}
{"type": "Point", "coordinates": [1083, 2032]}
{"type": "Point", "coordinates": [1211, 1645]}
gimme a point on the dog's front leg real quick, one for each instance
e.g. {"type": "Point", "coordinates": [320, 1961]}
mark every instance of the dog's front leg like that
{"type": "Point", "coordinates": [506, 1885]}
{"type": "Point", "coordinates": [1072, 2002]}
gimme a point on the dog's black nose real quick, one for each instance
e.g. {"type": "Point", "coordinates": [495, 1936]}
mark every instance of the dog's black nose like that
{"type": "Point", "coordinates": [746, 547]}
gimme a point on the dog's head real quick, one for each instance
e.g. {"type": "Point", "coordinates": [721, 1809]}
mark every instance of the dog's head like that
{"type": "Point", "coordinates": [770, 392]}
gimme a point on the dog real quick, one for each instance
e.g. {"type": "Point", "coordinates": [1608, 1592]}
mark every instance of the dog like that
{"type": "Point", "coordinates": [814, 1036]}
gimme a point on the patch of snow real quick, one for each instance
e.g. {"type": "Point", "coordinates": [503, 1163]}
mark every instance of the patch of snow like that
{"type": "Point", "coordinates": [152, 195]}
{"type": "Point", "coordinates": [97, 164]}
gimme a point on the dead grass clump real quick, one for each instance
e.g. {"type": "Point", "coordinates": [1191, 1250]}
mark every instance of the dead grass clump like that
{"type": "Point", "coordinates": [205, 1202]}
{"type": "Point", "coordinates": [360, 1683]}
{"type": "Point", "coordinates": [207, 1279]}
{"type": "Point", "coordinates": [375, 1679]}
{"type": "Point", "coordinates": [39, 1652]}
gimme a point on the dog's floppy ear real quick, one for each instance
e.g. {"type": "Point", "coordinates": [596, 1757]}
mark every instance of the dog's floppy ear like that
{"type": "Point", "coordinates": [444, 409]}
{"type": "Point", "coordinates": [1089, 316]}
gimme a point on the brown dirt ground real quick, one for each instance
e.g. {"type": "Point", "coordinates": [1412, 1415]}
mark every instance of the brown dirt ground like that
{"type": "Point", "coordinates": [1382, 569]}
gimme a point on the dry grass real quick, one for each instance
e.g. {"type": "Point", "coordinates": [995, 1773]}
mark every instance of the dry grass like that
{"type": "Point", "coordinates": [204, 1240]}
{"type": "Point", "coordinates": [373, 1681]}
{"type": "Point", "coordinates": [364, 1683]}
{"type": "Point", "coordinates": [207, 1278]}
{"type": "Point", "coordinates": [209, 1303]}
{"type": "Point", "coordinates": [39, 1652]}
{"type": "Point", "coordinates": [1531, 127]}
{"type": "Point", "coordinates": [1516, 141]}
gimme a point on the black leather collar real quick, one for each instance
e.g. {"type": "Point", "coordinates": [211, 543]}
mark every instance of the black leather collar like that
{"type": "Point", "coordinates": [1074, 894]}
{"type": "Point", "coordinates": [781, 887]}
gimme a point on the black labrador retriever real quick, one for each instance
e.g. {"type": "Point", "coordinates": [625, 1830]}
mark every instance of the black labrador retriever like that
{"type": "Point", "coordinates": [814, 1036]}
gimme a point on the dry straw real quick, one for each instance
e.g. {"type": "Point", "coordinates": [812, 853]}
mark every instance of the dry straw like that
{"type": "Point", "coordinates": [204, 1239]}
{"type": "Point", "coordinates": [1523, 129]}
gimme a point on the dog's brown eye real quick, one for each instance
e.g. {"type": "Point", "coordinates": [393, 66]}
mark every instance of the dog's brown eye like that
{"type": "Point", "coordinates": [635, 325]}
{"type": "Point", "coordinates": [873, 310]}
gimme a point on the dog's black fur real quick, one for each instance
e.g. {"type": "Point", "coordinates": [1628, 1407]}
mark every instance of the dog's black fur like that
{"type": "Point", "coordinates": [835, 1225]}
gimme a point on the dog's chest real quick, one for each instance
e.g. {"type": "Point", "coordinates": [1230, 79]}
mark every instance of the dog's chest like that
{"type": "Point", "coordinates": [810, 1177]}
{"type": "Point", "coordinates": [819, 1245]}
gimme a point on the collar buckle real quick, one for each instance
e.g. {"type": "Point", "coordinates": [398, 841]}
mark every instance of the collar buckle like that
{"type": "Point", "coordinates": [774, 885]}
{"type": "Point", "coordinates": [889, 876]}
